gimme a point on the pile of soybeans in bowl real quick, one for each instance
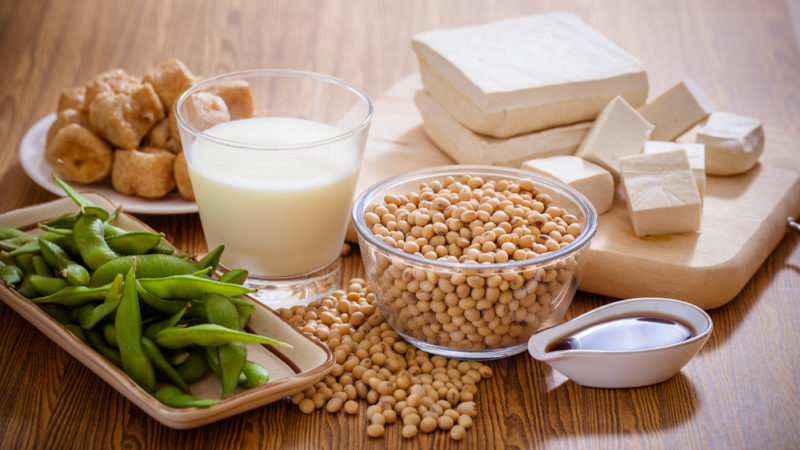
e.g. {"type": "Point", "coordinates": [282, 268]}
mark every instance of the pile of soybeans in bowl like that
{"type": "Point", "coordinates": [469, 261]}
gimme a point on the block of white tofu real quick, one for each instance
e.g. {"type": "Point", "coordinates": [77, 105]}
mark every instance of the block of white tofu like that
{"type": "Point", "coordinates": [591, 180]}
{"type": "Point", "coordinates": [467, 147]}
{"type": "Point", "coordinates": [695, 152]}
{"type": "Point", "coordinates": [526, 74]}
{"type": "Point", "coordinates": [661, 193]}
{"type": "Point", "coordinates": [676, 110]}
{"type": "Point", "coordinates": [733, 143]}
{"type": "Point", "coordinates": [619, 131]}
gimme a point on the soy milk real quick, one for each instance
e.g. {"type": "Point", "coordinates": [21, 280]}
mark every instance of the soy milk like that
{"type": "Point", "coordinates": [278, 211]}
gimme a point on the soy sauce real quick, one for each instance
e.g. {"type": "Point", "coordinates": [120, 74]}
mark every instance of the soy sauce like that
{"type": "Point", "coordinates": [626, 333]}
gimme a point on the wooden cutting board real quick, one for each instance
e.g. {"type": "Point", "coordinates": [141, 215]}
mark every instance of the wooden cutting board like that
{"type": "Point", "coordinates": [744, 216]}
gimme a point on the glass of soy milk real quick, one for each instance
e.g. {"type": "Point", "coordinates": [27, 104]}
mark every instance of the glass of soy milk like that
{"type": "Point", "coordinates": [273, 157]}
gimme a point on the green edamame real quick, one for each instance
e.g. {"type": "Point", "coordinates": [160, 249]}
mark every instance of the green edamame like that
{"type": "Point", "coordinates": [99, 344]}
{"type": "Point", "coordinates": [234, 276]}
{"type": "Point", "coordinates": [162, 365]}
{"type": "Point", "coordinates": [157, 303]}
{"type": "Point", "coordinates": [128, 324]}
{"type": "Point", "coordinates": [110, 334]}
{"type": "Point", "coordinates": [253, 375]}
{"type": "Point", "coordinates": [212, 258]}
{"type": "Point", "coordinates": [222, 311]}
{"type": "Point", "coordinates": [8, 233]}
{"type": "Point", "coordinates": [172, 396]}
{"type": "Point", "coordinates": [47, 285]}
{"type": "Point", "coordinates": [74, 295]}
{"type": "Point", "coordinates": [170, 321]}
{"type": "Point", "coordinates": [194, 368]}
{"type": "Point", "coordinates": [40, 266]}
{"type": "Point", "coordinates": [55, 256]}
{"type": "Point", "coordinates": [85, 204]}
{"type": "Point", "coordinates": [147, 266]}
{"type": "Point", "coordinates": [208, 335]}
{"type": "Point", "coordinates": [91, 243]}
{"type": "Point", "coordinates": [188, 287]}
{"type": "Point", "coordinates": [11, 274]}
{"type": "Point", "coordinates": [90, 315]}
{"type": "Point", "coordinates": [178, 358]}
{"type": "Point", "coordinates": [134, 242]}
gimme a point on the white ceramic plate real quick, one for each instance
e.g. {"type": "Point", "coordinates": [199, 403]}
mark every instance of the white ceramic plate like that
{"type": "Point", "coordinates": [291, 369]}
{"type": "Point", "coordinates": [31, 155]}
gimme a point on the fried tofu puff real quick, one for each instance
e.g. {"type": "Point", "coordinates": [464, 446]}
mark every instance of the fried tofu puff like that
{"type": "Point", "coordinates": [66, 117]}
{"type": "Point", "coordinates": [116, 80]}
{"type": "Point", "coordinates": [72, 98]}
{"type": "Point", "coordinates": [238, 96]}
{"type": "Point", "coordinates": [161, 136]}
{"type": "Point", "coordinates": [204, 110]}
{"type": "Point", "coordinates": [124, 118]}
{"type": "Point", "coordinates": [182, 180]}
{"type": "Point", "coordinates": [170, 79]}
{"type": "Point", "coordinates": [146, 172]}
{"type": "Point", "coordinates": [78, 155]}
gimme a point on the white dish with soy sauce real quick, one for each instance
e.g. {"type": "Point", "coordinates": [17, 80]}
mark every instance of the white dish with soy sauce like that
{"type": "Point", "coordinates": [630, 343]}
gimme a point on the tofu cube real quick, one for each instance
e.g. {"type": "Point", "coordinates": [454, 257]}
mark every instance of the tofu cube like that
{"type": "Point", "coordinates": [661, 193]}
{"type": "Point", "coordinates": [619, 131]}
{"type": "Point", "coordinates": [526, 74]}
{"type": "Point", "coordinates": [588, 178]}
{"type": "Point", "coordinates": [695, 152]}
{"type": "Point", "coordinates": [676, 110]}
{"type": "Point", "coordinates": [733, 143]}
{"type": "Point", "coordinates": [467, 147]}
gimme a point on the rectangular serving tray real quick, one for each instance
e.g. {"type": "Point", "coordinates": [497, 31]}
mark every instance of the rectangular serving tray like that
{"type": "Point", "coordinates": [291, 369]}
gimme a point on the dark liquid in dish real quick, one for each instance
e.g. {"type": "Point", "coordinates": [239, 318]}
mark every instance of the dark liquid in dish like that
{"type": "Point", "coordinates": [634, 332]}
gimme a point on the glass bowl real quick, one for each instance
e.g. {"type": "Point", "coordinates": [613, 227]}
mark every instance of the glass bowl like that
{"type": "Point", "coordinates": [469, 310]}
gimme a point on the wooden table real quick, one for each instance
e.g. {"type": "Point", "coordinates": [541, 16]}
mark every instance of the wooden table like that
{"type": "Point", "coordinates": [741, 390]}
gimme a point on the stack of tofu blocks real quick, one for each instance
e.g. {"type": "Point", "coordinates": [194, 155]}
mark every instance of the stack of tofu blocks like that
{"type": "Point", "coordinates": [550, 94]}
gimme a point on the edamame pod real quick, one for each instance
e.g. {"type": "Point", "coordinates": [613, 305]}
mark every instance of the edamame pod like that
{"type": "Point", "coordinates": [253, 375]}
{"type": "Point", "coordinates": [110, 334]}
{"type": "Point", "coordinates": [55, 256]}
{"type": "Point", "coordinates": [90, 315]}
{"type": "Point", "coordinates": [147, 266]}
{"type": "Point", "coordinates": [99, 344]}
{"type": "Point", "coordinates": [157, 303]}
{"type": "Point", "coordinates": [80, 200]}
{"type": "Point", "coordinates": [128, 324]}
{"type": "Point", "coordinates": [208, 335]}
{"type": "Point", "coordinates": [40, 266]}
{"type": "Point", "coordinates": [162, 365]}
{"type": "Point", "coordinates": [170, 321]}
{"type": "Point", "coordinates": [212, 258]}
{"type": "Point", "coordinates": [8, 233]}
{"type": "Point", "coordinates": [235, 276]}
{"type": "Point", "coordinates": [222, 311]}
{"type": "Point", "coordinates": [194, 368]}
{"type": "Point", "coordinates": [91, 243]}
{"type": "Point", "coordinates": [188, 287]}
{"type": "Point", "coordinates": [47, 285]}
{"type": "Point", "coordinates": [134, 242]}
{"type": "Point", "coordinates": [11, 274]}
{"type": "Point", "coordinates": [74, 295]}
{"type": "Point", "coordinates": [172, 396]}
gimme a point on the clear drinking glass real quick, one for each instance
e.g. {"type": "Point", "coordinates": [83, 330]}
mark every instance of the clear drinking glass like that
{"type": "Point", "coordinates": [275, 182]}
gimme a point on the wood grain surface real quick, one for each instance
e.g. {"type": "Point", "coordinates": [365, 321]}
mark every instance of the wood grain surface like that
{"type": "Point", "coordinates": [741, 391]}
